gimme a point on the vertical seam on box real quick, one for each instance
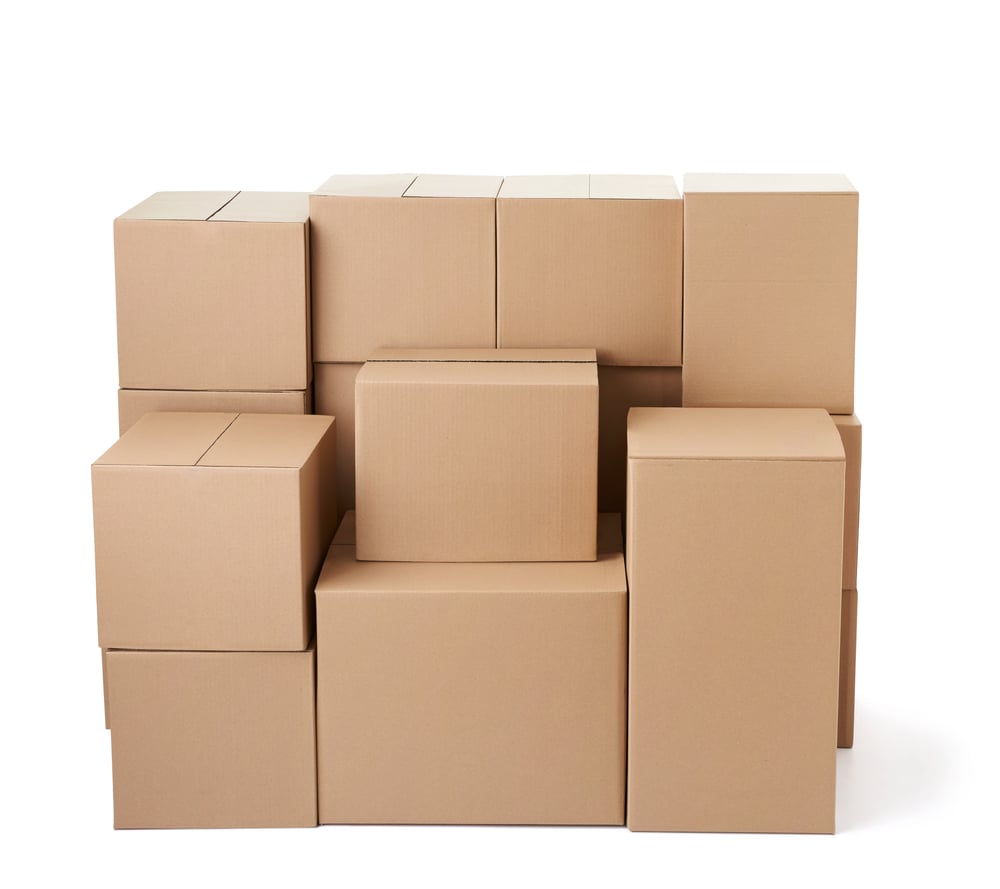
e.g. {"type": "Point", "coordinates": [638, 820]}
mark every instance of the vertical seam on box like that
{"type": "Point", "coordinates": [496, 267]}
{"type": "Point", "coordinates": [223, 207]}
{"type": "Point", "coordinates": [214, 440]}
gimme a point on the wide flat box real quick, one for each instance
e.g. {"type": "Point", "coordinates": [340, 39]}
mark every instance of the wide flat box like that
{"type": "Point", "coordinates": [213, 739]}
{"type": "Point", "coordinates": [210, 530]}
{"type": "Point", "coordinates": [477, 455]}
{"type": "Point", "coordinates": [848, 659]}
{"type": "Point", "coordinates": [333, 387]}
{"type": "Point", "coordinates": [591, 261]}
{"type": "Point", "coordinates": [623, 388]}
{"type": "Point", "coordinates": [733, 554]}
{"type": "Point", "coordinates": [403, 261]}
{"type": "Point", "coordinates": [135, 403]}
{"type": "Point", "coordinates": [850, 431]}
{"type": "Point", "coordinates": [770, 280]}
{"type": "Point", "coordinates": [485, 693]}
{"type": "Point", "coordinates": [213, 292]}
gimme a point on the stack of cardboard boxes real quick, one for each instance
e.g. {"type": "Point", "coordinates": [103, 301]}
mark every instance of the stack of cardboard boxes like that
{"type": "Point", "coordinates": [503, 359]}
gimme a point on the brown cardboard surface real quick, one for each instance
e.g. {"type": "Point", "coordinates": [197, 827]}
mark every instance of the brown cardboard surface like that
{"type": "Point", "coordinates": [210, 529]}
{"type": "Point", "coordinates": [104, 678]}
{"type": "Point", "coordinates": [214, 299]}
{"type": "Point", "coordinates": [479, 693]}
{"type": "Point", "coordinates": [769, 292]}
{"type": "Point", "coordinates": [623, 388]}
{"type": "Point", "coordinates": [213, 739]}
{"type": "Point", "coordinates": [135, 403]}
{"type": "Point", "coordinates": [490, 458]}
{"type": "Point", "coordinates": [395, 266]}
{"type": "Point", "coordinates": [602, 272]}
{"type": "Point", "coordinates": [849, 428]}
{"type": "Point", "coordinates": [734, 563]}
{"type": "Point", "coordinates": [334, 388]}
{"type": "Point", "coordinates": [848, 658]}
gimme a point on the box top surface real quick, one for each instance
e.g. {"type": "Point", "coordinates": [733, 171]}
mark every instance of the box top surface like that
{"type": "Point", "coordinates": [767, 183]}
{"type": "Point", "coordinates": [487, 356]}
{"type": "Point", "coordinates": [733, 434]}
{"type": "Point", "coordinates": [180, 205]}
{"type": "Point", "coordinates": [343, 574]}
{"type": "Point", "coordinates": [265, 206]}
{"type": "Point", "coordinates": [218, 439]}
{"type": "Point", "coordinates": [545, 187]}
{"type": "Point", "coordinates": [437, 186]}
{"type": "Point", "coordinates": [390, 185]}
{"type": "Point", "coordinates": [633, 187]}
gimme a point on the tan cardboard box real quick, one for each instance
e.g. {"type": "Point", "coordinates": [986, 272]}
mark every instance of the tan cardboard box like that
{"type": "Point", "coordinates": [210, 530]}
{"type": "Point", "coordinates": [770, 270]}
{"type": "Point", "coordinates": [486, 693]}
{"type": "Point", "coordinates": [333, 385]}
{"type": "Point", "coordinates": [403, 261]}
{"type": "Point", "coordinates": [623, 388]}
{"type": "Point", "coordinates": [733, 554]}
{"type": "Point", "coordinates": [477, 455]}
{"type": "Point", "coordinates": [213, 739]}
{"type": "Point", "coordinates": [848, 658]}
{"type": "Point", "coordinates": [135, 403]}
{"type": "Point", "coordinates": [850, 434]}
{"type": "Point", "coordinates": [213, 292]}
{"type": "Point", "coordinates": [591, 261]}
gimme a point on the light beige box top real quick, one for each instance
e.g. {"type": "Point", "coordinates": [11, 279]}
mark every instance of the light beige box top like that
{"type": "Point", "coordinates": [489, 356]}
{"type": "Point", "coordinates": [266, 206]}
{"type": "Point", "coordinates": [195, 206]}
{"type": "Point", "coordinates": [391, 185]}
{"type": "Point", "coordinates": [280, 441]}
{"type": "Point", "coordinates": [733, 434]}
{"type": "Point", "coordinates": [629, 187]}
{"type": "Point", "coordinates": [224, 206]}
{"type": "Point", "coordinates": [398, 185]}
{"type": "Point", "coordinates": [545, 187]}
{"type": "Point", "coordinates": [767, 183]}
{"type": "Point", "coordinates": [343, 574]}
{"type": "Point", "coordinates": [436, 186]}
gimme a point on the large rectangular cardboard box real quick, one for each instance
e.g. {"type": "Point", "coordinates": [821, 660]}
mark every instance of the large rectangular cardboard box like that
{"type": "Point", "coordinates": [403, 261]}
{"type": "Point", "coordinates": [477, 455]}
{"type": "Point", "coordinates": [210, 530]}
{"type": "Point", "coordinates": [770, 272]}
{"type": "Point", "coordinates": [213, 292]}
{"type": "Point", "coordinates": [733, 554]}
{"type": "Point", "coordinates": [213, 739]}
{"type": "Point", "coordinates": [850, 435]}
{"type": "Point", "coordinates": [623, 388]}
{"type": "Point", "coordinates": [136, 403]}
{"type": "Point", "coordinates": [591, 261]}
{"type": "Point", "coordinates": [333, 385]}
{"type": "Point", "coordinates": [487, 693]}
{"type": "Point", "coordinates": [848, 659]}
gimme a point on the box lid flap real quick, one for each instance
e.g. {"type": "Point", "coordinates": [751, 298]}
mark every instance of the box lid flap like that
{"type": "Point", "coordinates": [343, 574]}
{"type": "Point", "coordinates": [488, 356]}
{"type": "Point", "coordinates": [732, 434]}
{"type": "Point", "coordinates": [629, 187]}
{"type": "Point", "coordinates": [167, 439]}
{"type": "Point", "coordinates": [545, 187]}
{"type": "Point", "coordinates": [767, 183]}
{"type": "Point", "coordinates": [283, 441]}
{"type": "Point", "coordinates": [184, 205]}
{"type": "Point", "coordinates": [437, 186]}
{"type": "Point", "coordinates": [391, 185]}
{"type": "Point", "coordinates": [265, 206]}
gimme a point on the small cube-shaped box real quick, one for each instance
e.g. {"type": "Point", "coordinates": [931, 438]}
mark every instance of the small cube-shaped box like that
{"type": "Point", "coordinates": [213, 738]}
{"type": "Point", "coordinates": [770, 280]}
{"type": "Point", "coordinates": [210, 530]}
{"type": "Point", "coordinates": [213, 291]}
{"type": "Point", "coordinates": [487, 693]}
{"type": "Point", "coordinates": [403, 261]}
{"type": "Point", "coordinates": [591, 261]}
{"type": "Point", "coordinates": [477, 455]}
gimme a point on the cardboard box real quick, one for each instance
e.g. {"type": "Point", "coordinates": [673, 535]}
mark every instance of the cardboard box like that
{"type": "Point", "coordinates": [334, 388]}
{"type": "Point", "coordinates": [591, 261]}
{"type": "Point", "coordinates": [403, 261]}
{"type": "Point", "coordinates": [213, 739]}
{"type": "Point", "coordinates": [733, 554]}
{"type": "Point", "coordinates": [477, 455]}
{"type": "Point", "coordinates": [135, 403]}
{"type": "Point", "coordinates": [770, 270]}
{"type": "Point", "coordinates": [487, 693]}
{"type": "Point", "coordinates": [850, 434]}
{"type": "Point", "coordinates": [210, 530]}
{"type": "Point", "coordinates": [848, 658]}
{"type": "Point", "coordinates": [213, 292]}
{"type": "Point", "coordinates": [623, 388]}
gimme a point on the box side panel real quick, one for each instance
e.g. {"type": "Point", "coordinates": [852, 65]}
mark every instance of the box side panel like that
{"type": "Point", "coordinates": [851, 435]}
{"type": "Point", "coordinates": [848, 659]}
{"type": "Point", "coordinates": [334, 385]}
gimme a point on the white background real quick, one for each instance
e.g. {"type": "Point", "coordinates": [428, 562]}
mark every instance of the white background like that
{"type": "Point", "coordinates": [105, 103]}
